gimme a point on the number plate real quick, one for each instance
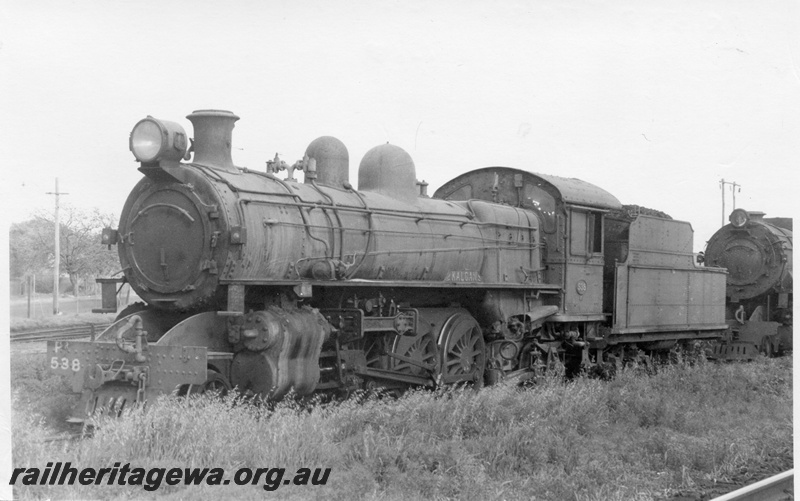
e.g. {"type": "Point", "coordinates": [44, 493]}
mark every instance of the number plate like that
{"type": "Point", "coordinates": [166, 366]}
{"type": "Point", "coordinates": [61, 358]}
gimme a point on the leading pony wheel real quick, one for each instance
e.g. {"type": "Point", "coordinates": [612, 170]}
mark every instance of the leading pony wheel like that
{"type": "Point", "coordinates": [215, 382]}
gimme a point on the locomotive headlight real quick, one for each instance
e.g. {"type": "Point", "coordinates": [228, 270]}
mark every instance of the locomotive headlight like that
{"type": "Point", "coordinates": [153, 140]}
{"type": "Point", "coordinates": [739, 218]}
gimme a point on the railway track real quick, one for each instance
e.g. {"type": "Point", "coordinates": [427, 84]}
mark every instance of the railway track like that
{"type": "Point", "coordinates": [73, 332]}
{"type": "Point", "coordinates": [778, 487]}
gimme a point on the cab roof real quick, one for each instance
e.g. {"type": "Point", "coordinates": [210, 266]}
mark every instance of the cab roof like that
{"type": "Point", "coordinates": [568, 190]}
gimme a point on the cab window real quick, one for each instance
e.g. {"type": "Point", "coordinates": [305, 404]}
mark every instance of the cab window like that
{"type": "Point", "coordinates": [577, 233]}
{"type": "Point", "coordinates": [595, 228]}
{"type": "Point", "coordinates": [586, 233]}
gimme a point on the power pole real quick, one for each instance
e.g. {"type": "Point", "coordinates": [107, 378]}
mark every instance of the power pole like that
{"type": "Point", "coordinates": [733, 185]}
{"type": "Point", "coordinates": [57, 263]}
{"type": "Point", "coordinates": [29, 296]}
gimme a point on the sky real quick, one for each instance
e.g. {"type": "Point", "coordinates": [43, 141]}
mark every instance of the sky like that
{"type": "Point", "coordinates": [655, 101]}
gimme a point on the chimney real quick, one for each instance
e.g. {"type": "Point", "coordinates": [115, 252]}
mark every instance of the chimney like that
{"type": "Point", "coordinates": [212, 138]}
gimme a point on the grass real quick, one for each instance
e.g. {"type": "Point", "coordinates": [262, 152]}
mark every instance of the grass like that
{"type": "Point", "coordinates": [635, 437]}
{"type": "Point", "coordinates": [66, 320]}
{"type": "Point", "coordinates": [39, 394]}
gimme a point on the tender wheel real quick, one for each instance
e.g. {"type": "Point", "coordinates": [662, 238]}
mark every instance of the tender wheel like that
{"type": "Point", "coordinates": [463, 351]}
{"type": "Point", "coordinates": [421, 352]}
{"type": "Point", "coordinates": [215, 382]}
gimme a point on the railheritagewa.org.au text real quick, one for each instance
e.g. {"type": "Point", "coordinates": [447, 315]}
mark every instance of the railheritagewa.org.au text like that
{"type": "Point", "coordinates": [151, 479]}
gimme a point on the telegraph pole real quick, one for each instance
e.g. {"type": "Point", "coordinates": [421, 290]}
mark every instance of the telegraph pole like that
{"type": "Point", "coordinates": [733, 185]}
{"type": "Point", "coordinates": [57, 263]}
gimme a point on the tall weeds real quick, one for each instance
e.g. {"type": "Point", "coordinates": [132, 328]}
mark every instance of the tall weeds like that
{"type": "Point", "coordinates": [635, 437]}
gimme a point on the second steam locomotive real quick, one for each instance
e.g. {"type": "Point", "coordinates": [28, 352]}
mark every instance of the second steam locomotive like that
{"type": "Point", "coordinates": [274, 286]}
{"type": "Point", "coordinates": [757, 252]}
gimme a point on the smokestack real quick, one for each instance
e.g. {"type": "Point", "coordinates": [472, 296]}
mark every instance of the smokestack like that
{"type": "Point", "coordinates": [212, 138]}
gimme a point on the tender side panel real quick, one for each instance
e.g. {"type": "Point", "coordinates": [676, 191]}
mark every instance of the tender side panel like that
{"type": "Point", "coordinates": [651, 297]}
{"type": "Point", "coordinates": [658, 287]}
{"type": "Point", "coordinates": [661, 242]}
{"type": "Point", "coordinates": [707, 298]}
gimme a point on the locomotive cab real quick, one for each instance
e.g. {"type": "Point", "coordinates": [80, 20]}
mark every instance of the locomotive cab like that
{"type": "Point", "coordinates": [570, 213]}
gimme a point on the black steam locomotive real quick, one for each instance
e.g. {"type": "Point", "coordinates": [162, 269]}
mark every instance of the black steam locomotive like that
{"type": "Point", "coordinates": [270, 285]}
{"type": "Point", "coordinates": [757, 252]}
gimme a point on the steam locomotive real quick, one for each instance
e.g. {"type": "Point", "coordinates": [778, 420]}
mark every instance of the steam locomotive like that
{"type": "Point", "coordinates": [274, 286]}
{"type": "Point", "coordinates": [757, 252]}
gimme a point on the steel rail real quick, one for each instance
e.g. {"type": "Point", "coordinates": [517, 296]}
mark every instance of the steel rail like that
{"type": "Point", "coordinates": [778, 487]}
{"type": "Point", "coordinates": [58, 333]}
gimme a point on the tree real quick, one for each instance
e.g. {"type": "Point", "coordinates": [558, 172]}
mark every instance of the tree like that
{"type": "Point", "coordinates": [28, 244]}
{"type": "Point", "coordinates": [82, 254]}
